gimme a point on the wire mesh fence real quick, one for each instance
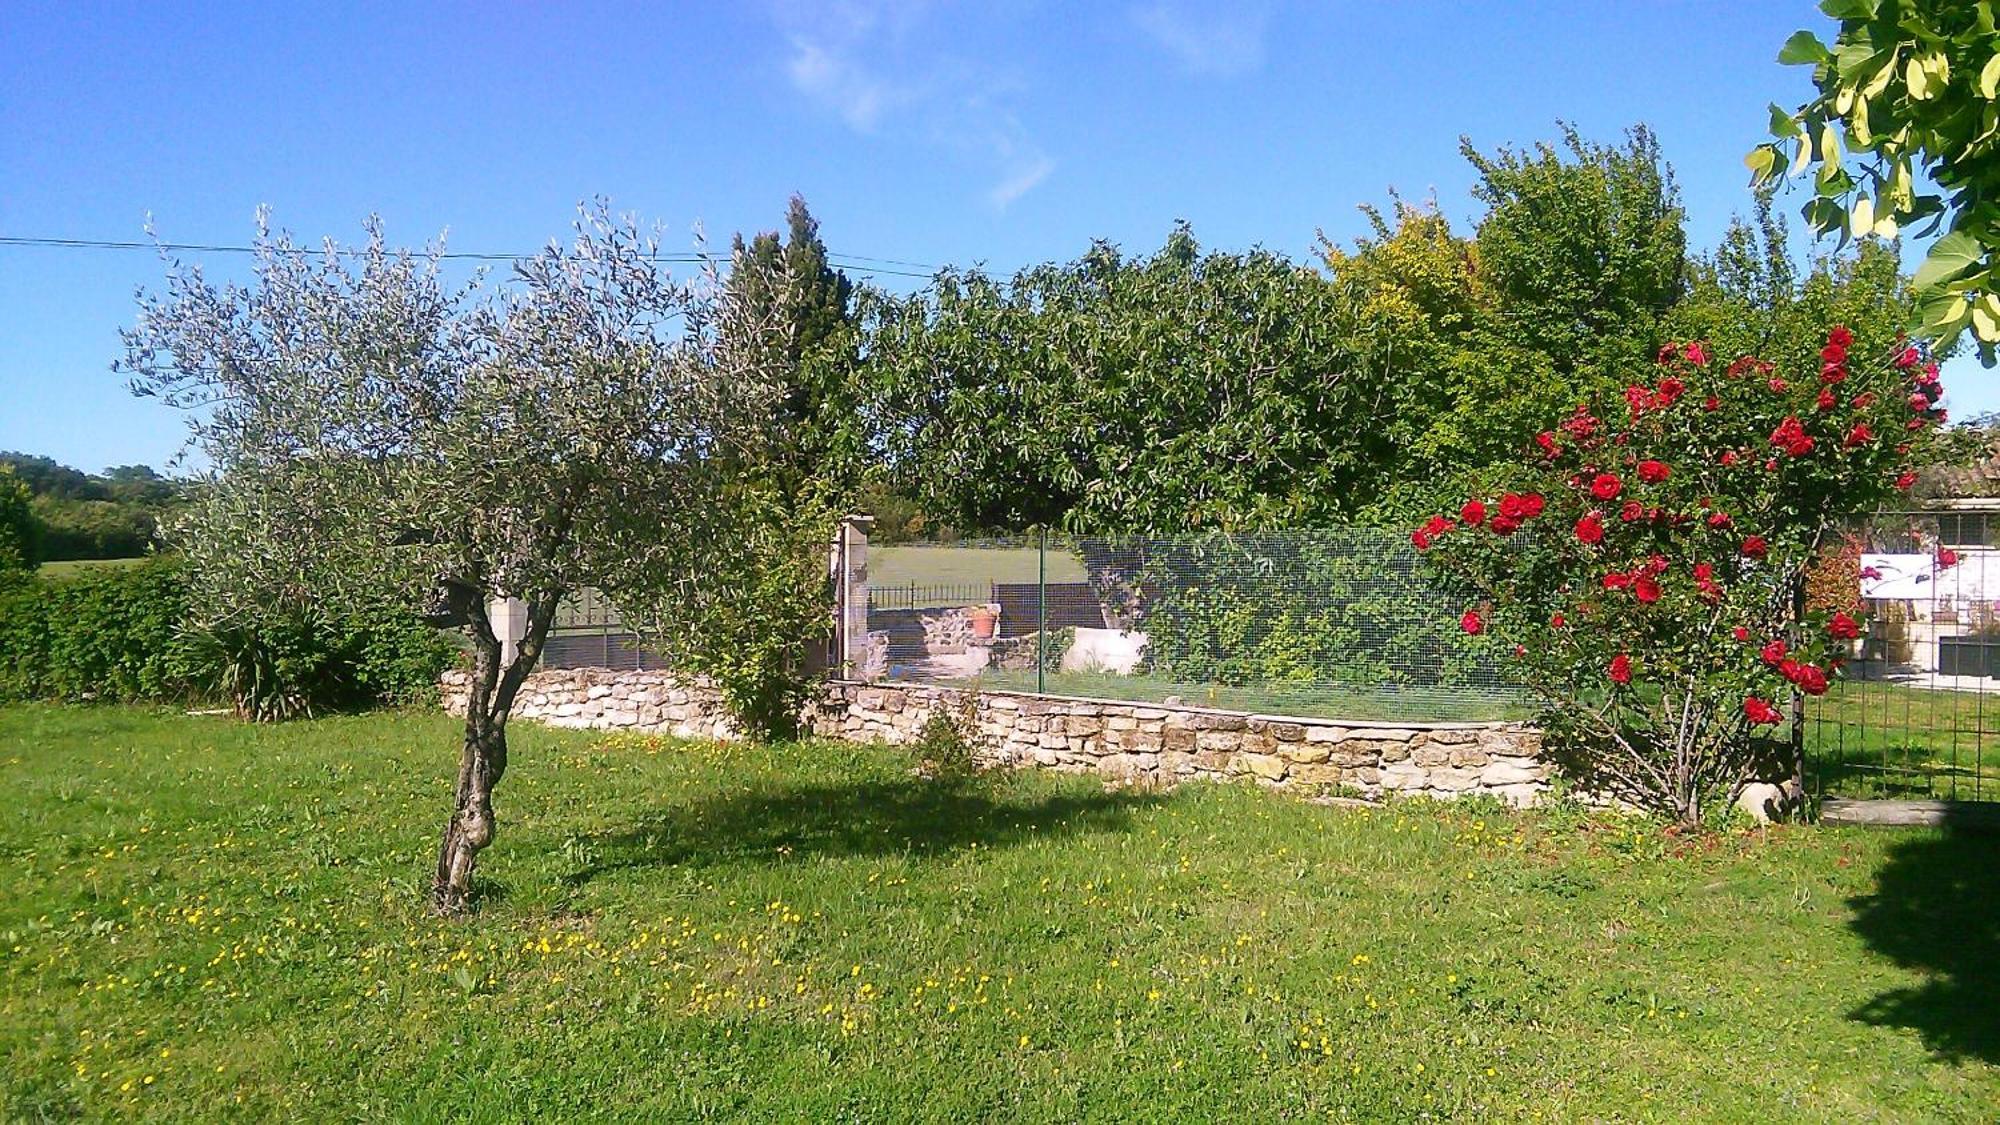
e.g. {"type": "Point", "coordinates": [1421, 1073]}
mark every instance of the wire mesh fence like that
{"type": "Point", "coordinates": [1341, 623]}
{"type": "Point", "coordinates": [1917, 714]}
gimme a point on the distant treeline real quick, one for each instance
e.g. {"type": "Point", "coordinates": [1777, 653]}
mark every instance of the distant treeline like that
{"type": "Point", "coordinates": [111, 515]}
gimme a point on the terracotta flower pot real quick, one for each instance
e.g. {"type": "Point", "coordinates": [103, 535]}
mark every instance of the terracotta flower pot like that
{"type": "Point", "coordinates": [983, 620]}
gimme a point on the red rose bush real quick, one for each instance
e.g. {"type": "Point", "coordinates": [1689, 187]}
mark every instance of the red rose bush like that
{"type": "Point", "coordinates": [1647, 565]}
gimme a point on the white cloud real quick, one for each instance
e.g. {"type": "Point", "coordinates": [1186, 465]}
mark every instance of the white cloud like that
{"type": "Point", "coordinates": [1216, 41]}
{"type": "Point", "coordinates": [878, 67]}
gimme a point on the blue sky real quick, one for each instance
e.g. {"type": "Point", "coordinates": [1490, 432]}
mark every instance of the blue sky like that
{"type": "Point", "coordinates": [1003, 133]}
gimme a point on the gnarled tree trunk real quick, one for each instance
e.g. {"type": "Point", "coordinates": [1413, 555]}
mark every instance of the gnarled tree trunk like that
{"type": "Point", "coordinates": [483, 758]}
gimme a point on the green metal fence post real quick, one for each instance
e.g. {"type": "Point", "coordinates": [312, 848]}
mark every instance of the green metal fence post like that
{"type": "Point", "coordinates": [1041, 609]}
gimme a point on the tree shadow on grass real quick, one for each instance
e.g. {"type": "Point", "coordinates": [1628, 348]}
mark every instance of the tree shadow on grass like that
{"type": "Point", "coordinates": [911, 816]}
{"type": "Point", "coordinates": [1936, 910]}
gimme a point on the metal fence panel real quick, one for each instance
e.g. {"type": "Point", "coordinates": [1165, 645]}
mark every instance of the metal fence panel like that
{"type": "Point", "coordinates": [1917, 713]}
{"type": "Point", "coordinates": [1341, 623]}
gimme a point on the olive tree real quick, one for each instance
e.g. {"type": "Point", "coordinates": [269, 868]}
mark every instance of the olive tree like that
{"type": "Point", "coordinates": [373, 430]}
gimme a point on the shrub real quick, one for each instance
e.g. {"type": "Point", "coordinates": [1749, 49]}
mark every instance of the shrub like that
{"type": "Point", "coordinates": [111, 635]}
{"type": "Point", "coordinates": [1649, 560]}
{"type": "Point", "coordinates": [1324, 607]}
{"type": "Point", "coordinates": [128, 635]}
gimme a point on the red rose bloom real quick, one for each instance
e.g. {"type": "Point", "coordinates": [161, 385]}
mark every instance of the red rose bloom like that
{"type": "Point", "coordinates": [1633, 510]}
{"type": "Point", "coordinates": [1826, 401]}
{"type": "Point", "coordinates": [1504, 525]}
{"type": "Point", "coordinates": [1620, 670]}
{"type": "Point", "coordinates": [1728, 457]}
{"type": "Point", "coordinates": [1946, 557]}
{"type": "Point", "coordinates": [1909, 358]}
{"type": "Point", "coordinates": [1472, 623]}
{"type": "Point", "coordinates": [1653, 472]}
{"type": "Point", "coordinates": [1711, 403]}
{"type": "Point", "coordinates": [1589, 530]}
{"type": "Point", "coordinates": [1421, 540]}
{"type": "Point", "coordinates": [1667, 353]}
{"type": "Point", "coordinates": [1810, 679]}
{"type": "Point", "coordinates": [1919, 403]}
{"type": "Point", "coordinates": [1718, 520]}
{"type": "Point", "coordinates": [1532, 505]}
{"type": "Point", "coordinates": [1546, 441]}
{"type": "Point", "coordinates": [1842, 627]}
{"type": "Point", "coordinates": [1696, 354]}
{"type": "Point", "coordinates": [1437, 525]}
{"type": "Point", "coordinates": [1473, 514]}
{"type": "Point", "coordinates": [1777, 386]}
{"type": "Point", "coordinates": [1906, 480]}
{"type": "Point", "coordinates": [1742, 632]}
{"type": "Point", "coordinates": [1791, 437]}
{"type": "Point", "coordinates": [1646, 589]}
{"type": "Point", "coordinates": [1557, 621]}
{"type": "Point", "coordinates": [1759, 711]}
{"type": "Point", "coordinates": [1859, 435]}
{"type": "Point", "coordinates": [1754, 547]}
{"type": "Point", "coordinates": [1774, 653]}
{"type": "Point", "coordinates": [1605, 486]}
{"type": "Point", "coordinates": [1840, 335]}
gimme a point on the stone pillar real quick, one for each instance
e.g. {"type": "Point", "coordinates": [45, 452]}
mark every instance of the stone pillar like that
{"type": "Point", "coordinates": [850, 595]}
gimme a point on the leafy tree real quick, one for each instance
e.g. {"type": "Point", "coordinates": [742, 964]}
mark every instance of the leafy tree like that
{"type": "Point", "coordinates": [378, 433]}
{"type": "Point", "coordinates": [1910, 89]}
{"type": "Point", "coordinates": [20, 531]}
{"type": "Point", "coordinates": [1564, 282]}
{"type": "Point", "coordinates": [1172, 391]}
{"type": "Point", "coordinates": [791, 283]}
{"type": "Point", "coordinates": [1649, 557]}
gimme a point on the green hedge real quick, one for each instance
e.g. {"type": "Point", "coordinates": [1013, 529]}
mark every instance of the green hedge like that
{"type": "Point", "coordinates": [123, 635]}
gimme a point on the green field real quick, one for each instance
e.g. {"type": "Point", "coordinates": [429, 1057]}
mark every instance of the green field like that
{"type": "Point", "coordinates": [1329, 701]}
{"type": "Point", "coordinates": [940, 566]}
{"type": "Point", "coordinates": [83, 566]}
{"type": "Point", "coordinates": [206, 921]}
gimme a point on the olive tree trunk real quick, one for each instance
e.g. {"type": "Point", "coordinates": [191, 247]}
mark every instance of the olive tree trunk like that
{"type": "Point", "coordinates": [483, 758]}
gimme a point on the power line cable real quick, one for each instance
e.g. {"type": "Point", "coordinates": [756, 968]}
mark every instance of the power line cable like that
{"type": "Point", "coordinates": [862, 264]}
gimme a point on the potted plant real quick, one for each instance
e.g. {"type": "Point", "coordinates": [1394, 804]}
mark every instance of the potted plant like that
{"type": "Point", "coordinates": [983, 618]}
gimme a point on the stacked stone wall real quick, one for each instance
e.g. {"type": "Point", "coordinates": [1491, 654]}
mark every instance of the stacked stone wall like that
{"type": "Point", "coordinates": [1133, 743]}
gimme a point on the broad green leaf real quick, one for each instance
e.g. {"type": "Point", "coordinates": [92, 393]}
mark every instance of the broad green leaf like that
{"type": "Point", "coordinates": [1848, 9]}
{"type": "Point", "coordinates": [1783, 124]}
{"type": "Point", "coordinates": [1761, 160]}
{"type": "Point", "coordinates": [1986, 318]}
{"type": "Point", "coordinates": [1861, 220]}
{"type": "Point", "coordinates": [1989, 79]}
{"type": "Point", "coordinates": [1803, 47]}
{"type": "Point", "coordinates": [1950, 257]}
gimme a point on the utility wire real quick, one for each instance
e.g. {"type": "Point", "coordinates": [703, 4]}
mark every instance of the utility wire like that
{"type": "Point", "coordinates": [859, 263]}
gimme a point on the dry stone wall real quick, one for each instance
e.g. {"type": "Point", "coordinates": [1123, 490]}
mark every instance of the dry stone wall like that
{"type": "Point", "coordinates": [1133, 743]}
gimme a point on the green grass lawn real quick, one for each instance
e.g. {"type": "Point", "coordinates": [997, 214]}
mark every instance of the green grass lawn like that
{"type": "Point", "coordinates": [1331, 701]}
{"type": "Point", "coordinates": [945, 566]}
{"type": "Point", "coordinates": [203, 920]}
{"type": "Point", "coordinates": [73, 567]}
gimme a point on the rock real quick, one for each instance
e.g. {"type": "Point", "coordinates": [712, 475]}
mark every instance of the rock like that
{"type": "Point", "coordinates": [1511, 771]}
{"type": "Point", "coordinates": [1326, 734]}
{"type": "Point", "coordinates": [1406, 776]}
{"type": "Point", "coordinates": [1304, 751]}
{"type": "Point", "coordinates": [1454, 780]}
{"type": "Point", "coordinates": [1287, 732]}
{"type": "Point", "coordinates": [1270, 767]}
{"type": "Point", "coordinates": [1429, 755]}
{"type": "Point", "coordinates": [1468, 755]}
{"type": "Point", "coordinates": [1763, 801]}
{"type": "Point", "coordinates": [1218, 740]}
